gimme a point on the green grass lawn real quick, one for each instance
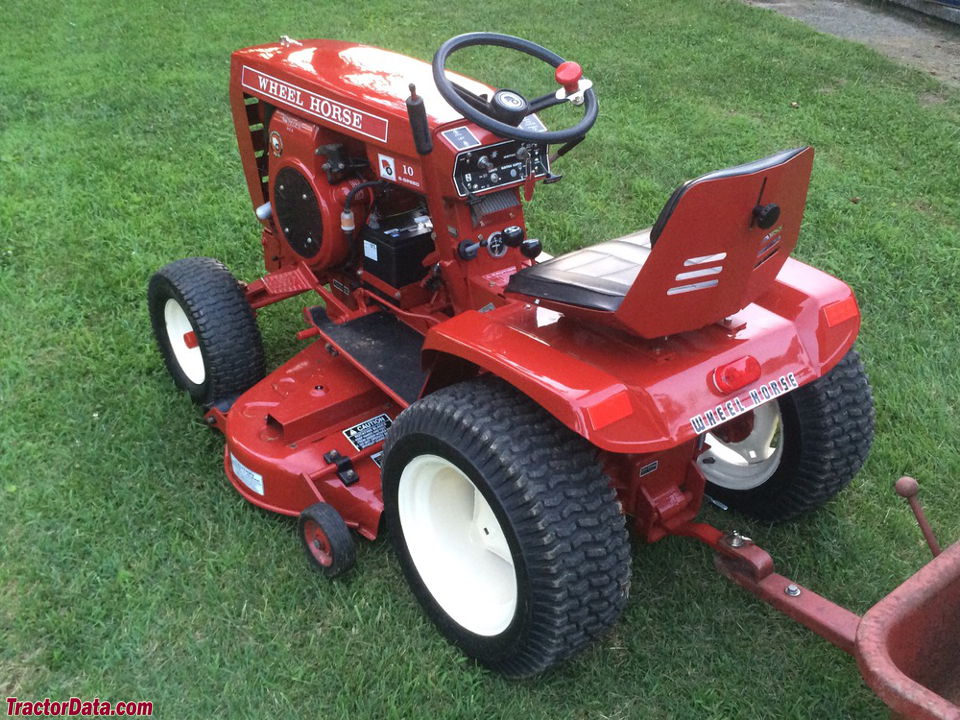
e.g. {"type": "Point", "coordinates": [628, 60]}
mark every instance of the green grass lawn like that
{"type": "Point", "coordinates": [129, 568]}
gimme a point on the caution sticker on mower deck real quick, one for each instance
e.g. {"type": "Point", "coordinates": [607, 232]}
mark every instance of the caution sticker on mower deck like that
{"type": "Point", "coordinates": [369, 432]}
{"type": "Point", "coordinates": [755, 397]}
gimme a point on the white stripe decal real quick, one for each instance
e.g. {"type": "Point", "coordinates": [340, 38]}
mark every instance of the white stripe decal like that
{"type": "Point", "coordinates": [699, 273]}
{"type": "Point", "coordinates": [691, 287]}
{"type": "Point", "coordinates": [717, 257]}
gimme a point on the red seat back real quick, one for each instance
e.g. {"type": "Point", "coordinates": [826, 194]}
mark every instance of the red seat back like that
{"type": "Point", "coordinates": [710, 257]}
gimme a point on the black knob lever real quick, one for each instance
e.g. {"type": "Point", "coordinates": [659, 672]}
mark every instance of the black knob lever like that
{"type": "Point", "coordinates": [531, 248]}
{"type": "Point", "coordinates": [512, 235]}
{"type": "Point", "coordinates": [467, 249]}
{"type": "Point", "coordinates": [767, 215]}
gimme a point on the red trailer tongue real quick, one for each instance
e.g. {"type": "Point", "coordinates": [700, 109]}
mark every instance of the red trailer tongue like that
{"type": "Point", "coordinates": [907, 645]}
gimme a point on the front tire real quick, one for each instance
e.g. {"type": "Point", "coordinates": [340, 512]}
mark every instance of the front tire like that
{"type": "Point", "coordinates": [794, 454]}
{"type": "Point", "coordinates": [205, 329]}
{"type": "Point", "coordinates": [506, 527]}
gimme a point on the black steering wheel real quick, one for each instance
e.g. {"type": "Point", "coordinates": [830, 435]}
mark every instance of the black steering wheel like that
{"type": "Point", "coordinates": [506, 109]}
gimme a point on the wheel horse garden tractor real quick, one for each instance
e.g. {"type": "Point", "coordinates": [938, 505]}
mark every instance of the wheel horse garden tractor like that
{"type": "Point", "coordinates": [511, 415]}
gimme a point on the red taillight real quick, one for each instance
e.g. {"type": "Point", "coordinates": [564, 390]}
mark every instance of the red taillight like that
{"type": "Point", "coordinates": [734, 375]}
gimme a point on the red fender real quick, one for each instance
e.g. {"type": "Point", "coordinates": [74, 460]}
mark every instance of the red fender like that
{"type": "Point", "coordinates": [626, 394]}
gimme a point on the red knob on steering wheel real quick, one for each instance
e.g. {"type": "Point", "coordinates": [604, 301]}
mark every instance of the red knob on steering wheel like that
{"type": "Point", "coordinates": [568, 75]}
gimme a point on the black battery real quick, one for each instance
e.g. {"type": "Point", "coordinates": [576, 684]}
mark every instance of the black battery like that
{"type": "Point", "coordinates": [394, 248]}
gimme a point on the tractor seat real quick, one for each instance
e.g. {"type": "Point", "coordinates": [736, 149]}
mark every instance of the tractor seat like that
{"type": "Point", "coordinates": [596, 277]}
{"type": "Point", "coordinates": [717, 246]}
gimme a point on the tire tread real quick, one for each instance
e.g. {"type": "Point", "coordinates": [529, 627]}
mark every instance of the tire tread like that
{"type": "Point", "coordinates": [225, 324]}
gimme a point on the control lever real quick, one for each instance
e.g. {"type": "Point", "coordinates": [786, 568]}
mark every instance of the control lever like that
{"type": "Point", "coordinates": [565, 149]}
{"type": "Point", "coordinates": [467, 249]}
{"type": "Point", "coordinates": [531, 248]}
{"type": "Point", "coordinates": [907, 487]}
{"type": "Point", "coordinates": [512, 235]}
{"type": "Point", "coordinates": [530, 180]}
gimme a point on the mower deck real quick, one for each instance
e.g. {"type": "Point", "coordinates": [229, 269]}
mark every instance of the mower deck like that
{"type": "Point", "coordinates": [312, 431]}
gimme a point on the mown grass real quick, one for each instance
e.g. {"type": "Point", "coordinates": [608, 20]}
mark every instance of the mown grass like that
{"type": "Point", "coordinates": [130, 569]}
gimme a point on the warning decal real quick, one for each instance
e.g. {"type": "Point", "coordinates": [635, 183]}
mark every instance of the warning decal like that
{"type": "Point", "coordinates": [649, 468]}
{"type": "Point", "coordinates": [369, 432]}
{"type": "Point", "coordinates": [248, 477]}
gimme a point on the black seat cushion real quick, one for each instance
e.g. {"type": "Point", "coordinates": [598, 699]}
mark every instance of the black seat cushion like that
{"type": "Point", "coordinates": [596, 277]}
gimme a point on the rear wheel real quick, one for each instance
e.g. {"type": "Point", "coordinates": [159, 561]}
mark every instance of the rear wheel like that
{"type": "Point", "coordinates": [205, 329]}
{"type": "Point", "coordinates": [793, 454]}
{"type": "Point", "coordinates": [506, 527]}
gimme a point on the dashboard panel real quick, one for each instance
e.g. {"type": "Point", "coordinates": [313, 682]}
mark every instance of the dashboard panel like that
{"type": "Point", "coordinates": [495, 166]}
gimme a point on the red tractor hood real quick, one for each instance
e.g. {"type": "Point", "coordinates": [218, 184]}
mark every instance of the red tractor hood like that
{"type": "Point", "coordinates": [361, 88]}
{"type": "Point", "coordinates": [630, 395]}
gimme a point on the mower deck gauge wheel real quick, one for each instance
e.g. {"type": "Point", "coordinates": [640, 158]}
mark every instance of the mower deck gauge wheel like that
{"type": "Point", "coordinates": [326, 540]}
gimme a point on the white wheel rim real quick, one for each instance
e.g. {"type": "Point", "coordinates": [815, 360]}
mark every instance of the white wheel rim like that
{"type": "Point", "coordinates": [747, 463]}
{"type": "Point", "coordinates": [457, 545]}
{"type": "Point", "coordinates": [190, 359]}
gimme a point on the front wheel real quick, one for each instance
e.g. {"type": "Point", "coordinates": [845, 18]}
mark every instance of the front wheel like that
{"type": "Point", "coordinates": [205, 329]}
{"type": "Point", "coordinates": [793, 454]}
{"type": "Point", "coordinates": [505, 525]}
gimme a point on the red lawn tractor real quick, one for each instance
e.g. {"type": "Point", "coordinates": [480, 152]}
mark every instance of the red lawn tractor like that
{"type": "Point", "coordinates": [510, 415]}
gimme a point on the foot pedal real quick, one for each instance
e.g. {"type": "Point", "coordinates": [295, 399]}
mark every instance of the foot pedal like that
{"type": "Point", "coordinates": [382, 345]}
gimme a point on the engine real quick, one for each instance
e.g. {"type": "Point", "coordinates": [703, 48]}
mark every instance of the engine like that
{"type": "Point", "coordinates": [311, 173]}
{"type": "Point", "coordinates": [307, 191]}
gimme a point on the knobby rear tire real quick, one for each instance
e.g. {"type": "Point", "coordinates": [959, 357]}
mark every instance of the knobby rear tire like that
{"type": "Point", "coordinates": [561, 519]}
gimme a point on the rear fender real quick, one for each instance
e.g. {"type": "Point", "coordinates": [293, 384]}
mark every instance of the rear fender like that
{"type": "Point", "coordinates": [626, 394]}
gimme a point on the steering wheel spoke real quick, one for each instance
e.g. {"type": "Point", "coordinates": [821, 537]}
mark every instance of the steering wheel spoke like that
{"type": "Point", "coordinates": [545, 101]}
{"type": "Point", "coordinates": [480, 102]}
